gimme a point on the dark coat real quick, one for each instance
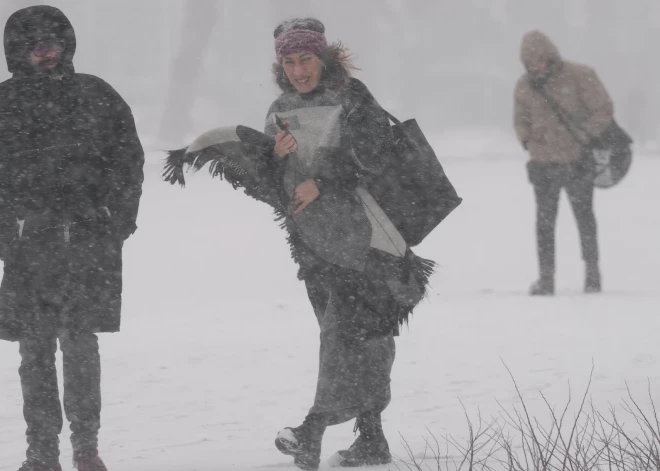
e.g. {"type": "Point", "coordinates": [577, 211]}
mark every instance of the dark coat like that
{"type": "Point", "coordinates": [70, 184]}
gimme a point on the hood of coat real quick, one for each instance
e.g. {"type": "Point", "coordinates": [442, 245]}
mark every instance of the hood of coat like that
{"type": "Point", "coordinates": [537, 47]}
{"type": "Point", "coordinates": [30, 25]}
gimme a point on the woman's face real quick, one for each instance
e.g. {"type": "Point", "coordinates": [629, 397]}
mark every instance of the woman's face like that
{"type": "Point", "coordinates": [303, 69]}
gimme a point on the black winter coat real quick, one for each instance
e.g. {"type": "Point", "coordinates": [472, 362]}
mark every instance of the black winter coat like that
{"type": "Point", "coordinates": [70, 184]}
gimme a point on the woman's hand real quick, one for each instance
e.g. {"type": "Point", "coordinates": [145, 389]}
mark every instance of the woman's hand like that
{"type": "Point", "coordinates": [285, 143]}
{"type": "Point", "coordinates": [305, 193]}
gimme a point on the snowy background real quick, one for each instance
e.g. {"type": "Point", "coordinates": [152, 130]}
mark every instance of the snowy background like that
{"type": "Point", "coordinates": [218, 348]}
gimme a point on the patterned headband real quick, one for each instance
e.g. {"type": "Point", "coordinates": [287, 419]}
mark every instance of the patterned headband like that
{"type": "Point", "coordinates": [298, 40]}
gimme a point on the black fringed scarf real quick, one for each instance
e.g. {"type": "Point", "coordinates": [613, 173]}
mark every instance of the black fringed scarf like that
{"type": "Point", "coordinates": [243, 157]}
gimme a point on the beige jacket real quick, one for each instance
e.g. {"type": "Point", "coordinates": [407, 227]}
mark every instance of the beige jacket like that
{"type": "Point", "coordinates": [575, 88]}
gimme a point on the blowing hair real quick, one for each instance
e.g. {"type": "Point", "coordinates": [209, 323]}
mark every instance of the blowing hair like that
{"type": "Point", "coordinates": [336, 73]}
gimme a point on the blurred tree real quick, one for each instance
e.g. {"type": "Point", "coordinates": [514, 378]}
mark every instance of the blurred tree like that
{"type": "Point", "coordinates": [200, 18]}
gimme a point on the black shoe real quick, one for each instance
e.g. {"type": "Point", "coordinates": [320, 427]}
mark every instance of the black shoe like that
{"type": "Point", "coordinates": [369, 449]}
{"type": "Point", "coordinates": [88, 460]}
{"type": "Point", "coordinates": [543, 287]}
{"type": "Point", "coordinates": [592, 280]}
{"type": "Point", "coordinates": [32, 465]}
{"type": "Point", "coordinates": [303, 442]}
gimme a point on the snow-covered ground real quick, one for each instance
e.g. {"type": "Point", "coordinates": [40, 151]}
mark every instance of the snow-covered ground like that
{"type": "Point", "coordinates": [218, 349]}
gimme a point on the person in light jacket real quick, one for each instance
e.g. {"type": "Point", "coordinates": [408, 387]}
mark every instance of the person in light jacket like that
{"type": "Point", "coordinates": [552, 93]}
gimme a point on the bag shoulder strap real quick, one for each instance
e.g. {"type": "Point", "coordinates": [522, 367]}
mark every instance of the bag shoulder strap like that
{"type": "Point", "coordinates": [390, 116]}
{"type": "Point", "coordinates": [563, 116]}
{"type": "Point", "coordinates": [373, 101]}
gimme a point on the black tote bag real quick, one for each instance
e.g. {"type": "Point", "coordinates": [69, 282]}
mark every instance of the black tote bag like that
{"type": "Point", "coordinates": [414, 190]}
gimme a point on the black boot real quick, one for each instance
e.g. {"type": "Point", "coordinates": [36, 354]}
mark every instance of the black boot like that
{"type": "Point", "coordinates": [303, 442]}
{"type": "Point", "coordinates": [544, 286]}
{"type": "Point", "coordinates": [370, 448]}
{"type": "Point", "coordinates": [32, 465]}
{"type": "Point", "coordinates": [592, 279]}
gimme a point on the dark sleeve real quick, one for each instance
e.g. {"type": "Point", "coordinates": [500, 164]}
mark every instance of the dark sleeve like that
{"type": "Point", "coordinates": [126, 168]}
{"type": "Point", "coordinates": [7, 214]}
{"type": "Point", "coordinates": [7, 217]}
{"type": "Point", "coordinates": [367, 142]}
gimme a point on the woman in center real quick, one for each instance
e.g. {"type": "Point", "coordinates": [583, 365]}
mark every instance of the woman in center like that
{"type": "Point", "coordinates": [332, 141]}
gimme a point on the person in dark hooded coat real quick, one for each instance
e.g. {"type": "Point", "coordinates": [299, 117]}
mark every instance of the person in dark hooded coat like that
{"type": "Point", "coordinates": [70, 184]}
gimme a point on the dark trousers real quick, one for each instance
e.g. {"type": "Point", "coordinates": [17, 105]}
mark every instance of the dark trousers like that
{"type": "Point", "coordinates": [354, 372]}
{"type": "Point", "coordinates": [548, 180]}
{"type": "Point", "coordinates": [41, 402]}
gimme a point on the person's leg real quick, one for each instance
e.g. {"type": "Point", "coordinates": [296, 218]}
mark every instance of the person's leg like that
{"type": "Point", "coordinates": [371, 447]}
{"type": "Point", "coordinates": [304, 442]}
{"type": "Point", "coordinates": [41, 400]}
{"type": "Point", "coordinates": [318, 293]}
{"type": "Point", "coordinates": [82, 389]}
{"type": "Point", "coordinates": [546, 191]}
{"type": "Point", "coordinates": [355, 370]}
{"type": "Point", "coordinates": [354, 364]}
{"type": "Point", "coordinates": [82, 397]}
{"type": "Point", "coordinates": [581, 195]}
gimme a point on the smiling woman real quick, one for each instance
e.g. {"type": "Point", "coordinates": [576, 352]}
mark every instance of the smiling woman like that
{"type": "Point", "coordinates": [303, 69]}
{"type": "Point", "coordinates": [329, 63]}
{"type": "Point", "coordinates": [331, 139]}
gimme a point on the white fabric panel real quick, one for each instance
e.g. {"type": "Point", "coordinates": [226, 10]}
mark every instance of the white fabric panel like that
{"type": "Point", "coordinates": [318, 126]}
{"type": "Point", "coordinates": [384, 236]}
{"type": "Point", "coordinates": [212, 137]}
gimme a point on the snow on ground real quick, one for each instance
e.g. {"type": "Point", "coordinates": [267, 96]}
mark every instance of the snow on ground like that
{"type": "Point", "coordinates": [218, 349]}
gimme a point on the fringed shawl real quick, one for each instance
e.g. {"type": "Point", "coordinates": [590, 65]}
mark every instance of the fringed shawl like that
{"type": "Point", "coordinates": [243, 157]}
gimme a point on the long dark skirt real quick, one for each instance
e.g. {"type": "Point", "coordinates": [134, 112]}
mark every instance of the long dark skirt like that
{"type": "Point", "coordinates": [356, 355]}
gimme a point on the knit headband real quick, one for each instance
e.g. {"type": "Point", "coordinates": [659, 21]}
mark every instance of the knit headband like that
{"type": "Point", "coordinates": [298, 40]}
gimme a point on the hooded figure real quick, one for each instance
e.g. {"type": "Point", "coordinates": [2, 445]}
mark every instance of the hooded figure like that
{"type": "Point", "coordinates": [575, 87]}
{"type": "Point", "coordinates": [70, 183]}
{"type": "Point", "coordinates": [559, 156]}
